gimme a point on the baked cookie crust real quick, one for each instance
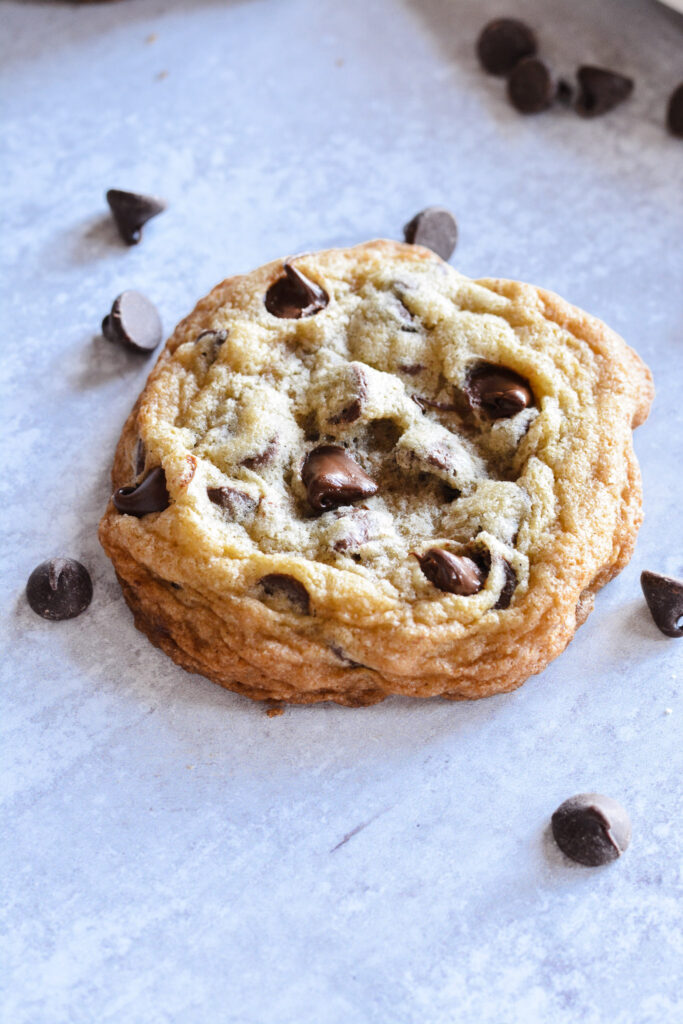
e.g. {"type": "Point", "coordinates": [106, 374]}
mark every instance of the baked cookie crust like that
{"type": "Point", "coordinates": [493, 420]}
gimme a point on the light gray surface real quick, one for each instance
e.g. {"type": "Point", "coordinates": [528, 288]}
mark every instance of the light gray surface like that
{"type": "Point", "coordinates": [174, 855]}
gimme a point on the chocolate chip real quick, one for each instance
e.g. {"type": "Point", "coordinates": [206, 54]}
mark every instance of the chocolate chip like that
{"type": "Point", "coordinates": [497, 391]}
{"type": "Point", "coordinates": [280, 585]}
{"type": "Point", "coordinates": [456, 574]}
{"type": "Point", "coordinates": [358, 524]}
{"type": "Point", "coordinates": [674, 112]}
{"type": "Point", "coordinates": [58, 589]}
{"type": "Point", "coordinates": [664, 596]}
{"type": "Point", "coordinates": [237, 503]}
{"type": "Point", "coordinates": [133, 322]}
{"type": "Point", "coordinates": [336, 649]}
{"type": "Point", "coordinates": [412, 369]}
{"type": "Point", "coordinates": [435, 228]}
{"type": "Point", "coordinates": [131, 211]}
{"type": "Point", "coordinates": [429, 403]}
{"type": "Point", "coordinates": [209, 342]}
{"type": "Point", "coordinates": [450, 493]}
{"type": "Point", "coordinates": [264, 457]}
{"type": "Point", "coordinates": [353, 411]}
{"type": "Point", "coordinates": [600, 90]}
{"type": "Point", "coordinates": [333, 478]}
{"type": "Point", "coordinates": [591, 829]}
{"type": "Point", "coordinates": [294, 295]}
{"type": "Point", "coordinates": [140, 457]}
{"type": "Point", "coordinates": [150, 495]}
{"type": "Point", "coordinates": [503, 43]}
{"type": "Point", "coordinates": [530, 86]}
{"type": "Point", "coordinates": [509, 587]}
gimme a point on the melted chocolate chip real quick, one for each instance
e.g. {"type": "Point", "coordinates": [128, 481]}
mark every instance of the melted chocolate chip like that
{"type": "Point", "coordinates": [591, 829]}
{"type": "Point", "coordinates": [333, 478]}
{"type": "Point", "coordinates": [503, 43]}
{"type": "Point", "coordinates": [294, 295]}
{"type": "Point", "coordinates": [237, 503]}
{"type": "Point", "coordinates": [131, 211]}
{"type": "Point", "coordinates": [674, 112]}
{"type": "Point", "coordinates": [264, 457]}
{"type": "Point", "coordinates": [59, 589]}
{"type": "Point", "coordinates": [336, 649]}
{"type": "Point", "coordinates": [531, 88]}
{"type": "Point", "coordinates": [455, 574]}
{"type": "Point", "coordinates": [133, 322]}
{"type": "Point", "coordinates": [600, 90]}
{"type": "Point", "coordinates": [664, 596]}
{"type": "Point", "coordinates": [498, 392]}
{"type": "Point", "coordinates": [435, 228]}
{"type": "Point", "coordinates": [280, 585]}
{"type": "Point", "coordinates": [509, 587]}
{"type": "Point", "coordinates": [150, 495]}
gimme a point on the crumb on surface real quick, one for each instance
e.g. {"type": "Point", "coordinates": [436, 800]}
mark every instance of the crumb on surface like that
{"type": "Point", "coordinates": [274, 712]}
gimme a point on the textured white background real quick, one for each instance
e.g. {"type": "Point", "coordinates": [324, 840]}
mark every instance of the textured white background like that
{"type": "Point", "coordinates": [174, 855]}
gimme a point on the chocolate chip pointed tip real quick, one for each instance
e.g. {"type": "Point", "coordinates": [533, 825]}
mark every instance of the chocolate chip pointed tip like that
{"type": "Point", "coordinates": [435, 228]}
{"type": "Point", "coordinates": [531, 88]}
{"type": "Point", "coordinates": [59, 589]}
{"type": "Point", "coordinates": [503, 42]}
{"type": "Point", "coordinates": [600, 90]}
{"type": "Point", "coordinates": [496, 392]}
{"type": "Point", "coordinates": [664, 597]}
{"type": "Point", "coordinates": [150, 495]}
{"type": "Point", "coordinates": [591, 829]}
{"type": "Point", "coordinates": [134, 323]}
{"type": "Point", "coordinates": [333, 478]}
{"type": "Point", "coordinates": [131, 211]}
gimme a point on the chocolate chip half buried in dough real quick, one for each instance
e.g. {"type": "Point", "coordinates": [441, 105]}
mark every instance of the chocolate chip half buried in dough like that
{"type": "Point", "coordinates": [58, 589]}
{"type": "Point", "coordinates": [133, 322]}
{"type": "Point", "coordinates": [333, 478]}
{"type": "Point", "coordinates": [294, 295]}
{"type": "Point", "coordinates": [531, 88]}
{"type": "Point", "coordinates": [497, 391]}
{"type": "Point", "coordinates": [131, 211]}
{"type": "Point", "coordinates": [502, 43]}
{"type": "Point", "coordinates": [237, 503]}
{"type": "Point", "coordinates": [664, 596]}
{"type": "Point", "coordinates": [509, 588]}
{"type": "Point", "coordinates": [278, 584]}
{"type": "Point", "coordinates": [600, 90]}
{"type": "Point", "coordinates": [455, 574]}
{"type": "Point", "coordinates": [591, 829]}
{"type": "Point", "coordinates": [674, 112]}
{"type": "Point", "coordinates": [435, 228]}
{"type": "Point", "coordinates": [150, 495]}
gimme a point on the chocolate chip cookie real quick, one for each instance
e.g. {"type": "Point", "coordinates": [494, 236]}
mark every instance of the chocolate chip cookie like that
{"type": "Point", "coordinates": [358, 473]}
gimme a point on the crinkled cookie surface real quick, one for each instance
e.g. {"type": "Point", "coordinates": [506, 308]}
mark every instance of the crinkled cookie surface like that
{"type": "Point", "coordinates": [358, 473]}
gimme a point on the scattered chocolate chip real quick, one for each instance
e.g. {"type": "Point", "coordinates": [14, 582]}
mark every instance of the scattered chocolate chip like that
{"type": "Point", "coordinates": [412, 369]}
{"type": "Point", "coordinates": [435, 228]}
{"type": "Point", "coordinates": [600, 90]}
{"type": "Point", "coordinates": [150, 495]}
{"type": "Point", "coordinates": [333, 478]}
{"type": "Point", "coordinates": [509, 587]}
{"type": "Point", "coordinates": [237, 503]}
{"type": "Point", "coordinates": [456, 574]}
{"type": "Point", "coordinates": [264, 457]}
{"type": "Point", "coordinates": [58, 589]}
{"type": "Point", "coordinates": [336, 649]}
{"type": "Point", "coordinates": [294, 295]}
{"type": "Point", "coordinates": [591, 829]}
{"type": "Point", "coordinates": [531, 88]}
{"type": "Point", "coordinates": [131, 211]}
{"type": "Point", "coordinates": [503, 43]}
{"type": "Point", "coordinates": [497, 391]}
{"type": "Point", "coordinates": [664, 596]}
{"type": "Point", "coordinates": [674, 112]}
{"type": "Point", "coordinates": [277, 584]}
{"type": "Point", "coordinates": [140, 457]}
{"type": "Point", "coordinates": [133, 322]}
